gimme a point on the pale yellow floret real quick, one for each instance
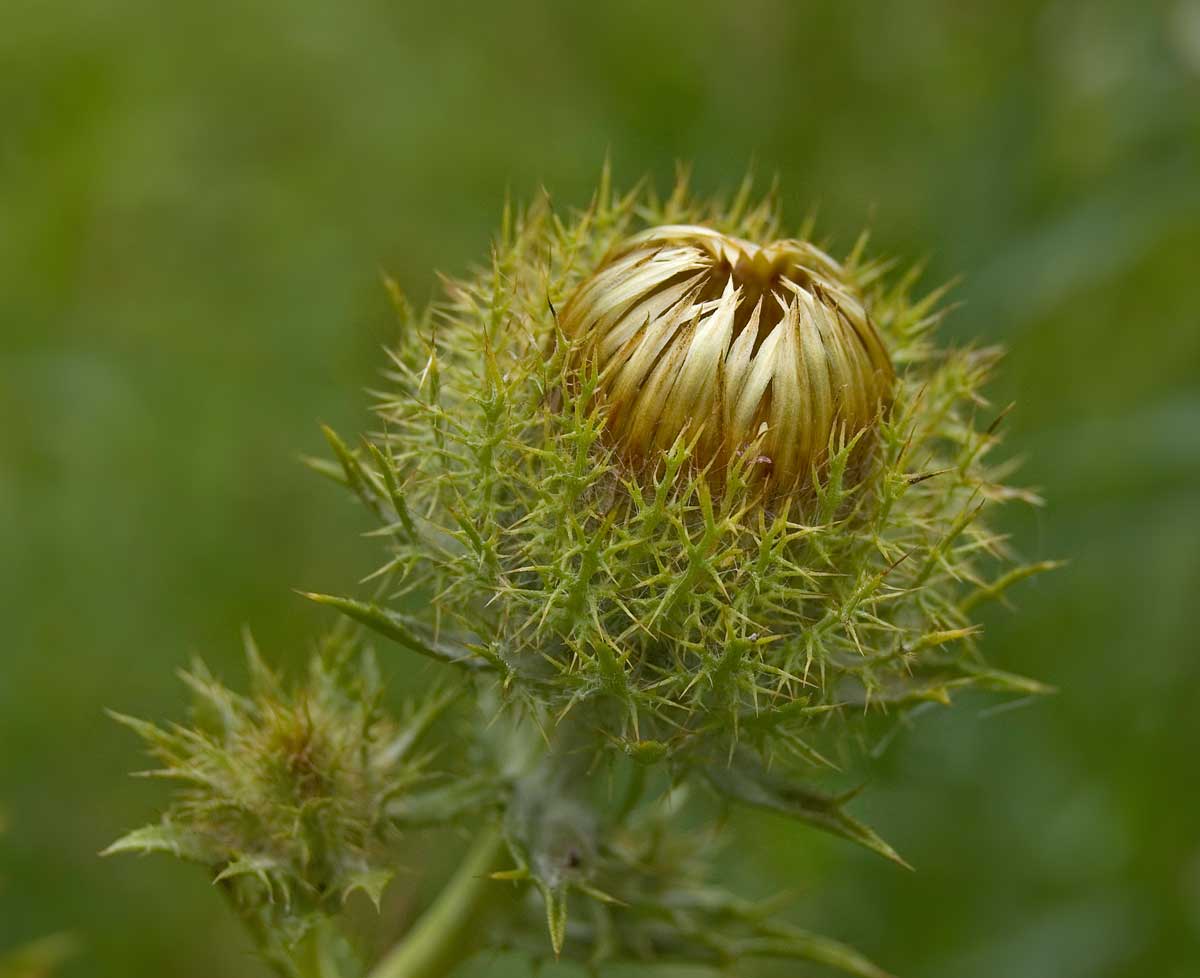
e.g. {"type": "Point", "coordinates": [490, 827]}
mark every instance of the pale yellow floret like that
{"type": "Point", "coordinates": [736, 346]}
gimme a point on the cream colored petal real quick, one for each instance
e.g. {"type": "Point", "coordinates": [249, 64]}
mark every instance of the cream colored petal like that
{"type": "Point", "coordinates": [643, 417]}
{"type": "Point", "coordinates": [789, 441]}
{"type": "Point", "coordinates": [611, 293]}
{"type": "Point", "coordinates": [619, 295]}
{"type": "Point", "coordinates": [650, 308]}
{"type": "Point", "coordinates": [815, 359]}
{"type": "Point", "coordinates": [875, 372]}
{"type": "Point", "coordinates": [846, 377]}
{"type": "Point", "coordinates": [737, 364]}
{"type": "Point", "coordinates": [690, 400]}
{"type": "Point", "coordinates": [762, 369]}
{"type": "Point", "coordinates": [632, 366]}
{"type": "Point", "coordinates": [866, 334]}
{"type": "Point", "coordinates": [673, 233]}
{"type": "Point", "coordinates": [580, 310]}
{"type": "Point", "coordinates": [670, 363]}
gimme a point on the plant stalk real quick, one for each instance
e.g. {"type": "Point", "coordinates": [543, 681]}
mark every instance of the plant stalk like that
{"type": "Point", "coordinates": [448, 931]}
{"type": "Point", "coordinates": [318, 959]}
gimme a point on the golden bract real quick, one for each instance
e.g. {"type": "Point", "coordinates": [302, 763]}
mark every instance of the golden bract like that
{"type": "Point", "coordinates": [743, 347]}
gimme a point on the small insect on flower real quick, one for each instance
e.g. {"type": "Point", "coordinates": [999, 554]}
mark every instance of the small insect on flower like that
{"type": "Point", "coordinates": [758, 351]}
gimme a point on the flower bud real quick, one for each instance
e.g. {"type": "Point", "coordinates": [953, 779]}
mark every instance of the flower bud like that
{"type": "Point", "coordinates": [743, 348]}
{"type": "Point", "coordinates": [292, 797]}
{"type": "Point", "coordinates": [528, 413]}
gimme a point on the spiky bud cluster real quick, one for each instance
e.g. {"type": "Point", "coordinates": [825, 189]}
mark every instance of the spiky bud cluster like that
{"type": "Point", "coordinates": [291, 797]}
{"type": "Point", "coordinates": [737, 347]}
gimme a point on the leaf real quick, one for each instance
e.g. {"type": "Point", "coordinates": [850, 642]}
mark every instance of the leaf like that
{"type": "Point", "coordinates": [607, 898]}
{"type": "Point", "coordinates": [263, 680]}
{"type": "Point", "coordinates": [397, 628]}
{"type": "Point", "coordinates": [215, 707]}
{"type": "Point", "coordinates": [556, 915]}
{"type": "Point", "coordinates": [395, 493]}
{"type": "Point", "coordinates": [259, 867]}
{"type": "Point", "coordinates": [789, 942]}
{"type": "Point", "coordinates": [545, 840]}
{"type": "Point", "coordinates": [518, 874]}
{"type": "Point", "coordinates": [357, 477]}
{"type": "Point", "coordinates": [164, 742]}
{"type": "Point", "coordinates": [995, 590]}
{"type": "Point", "coordinates": [322, 466]}
{"type": "Point", "coordinates": [1009, 682]}
{"type": "Point", "coordinates": [750, 785]}
{"type": "Point", "coordinates": [163, 837]}
{"type": "Point", "coordinates": [372, 882]}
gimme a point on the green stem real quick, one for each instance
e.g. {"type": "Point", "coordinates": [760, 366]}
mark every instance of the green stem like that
{"type": "Point", "coordinates": [442, 937]}
{"type": "Point", "coordinates": [317, 952]}
{"type": "Point", "coordinates": [280, 963]}
{"type": "Point", "coordinates": [635, 788]}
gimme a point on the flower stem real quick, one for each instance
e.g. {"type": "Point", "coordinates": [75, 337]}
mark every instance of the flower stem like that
{"type": "Point", "coordinates": [317, 952]}
{"type": "Point", "coordinates": [440, 939]}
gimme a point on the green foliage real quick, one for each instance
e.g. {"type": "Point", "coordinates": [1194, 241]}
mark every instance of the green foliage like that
{"type": "Point", "coordinates": [291, 796]}
{"type": "Point", "coordinates": [650, 899]}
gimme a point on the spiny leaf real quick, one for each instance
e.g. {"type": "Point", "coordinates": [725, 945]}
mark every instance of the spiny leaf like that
{"type": "Point", "coordinates": [372, 882]}
{"type": "Point", "coordinates": [258, 867]}
{"type": "Point", "coordinates": [356, 475]}
{"type": "Point", "coordinates": [323, 466]}
{"type": "Point", "coordinates": [391, 625]}
{"type": "Point", "coordinates": [555, 898]}
{"type": "Point", "coordinates": [752, 786]}
{"type": "Point", "coordinates": [787, 942]}
{"type": "Point", "coordinates": [162, 837]}
{"type": "Point", "coordinates": [164, 741]}
{"type": "Point", "coordinates": [263, 680]}
{"type": "Point", "coordinates": [1009, 682]}
{"type": "Point", "coordinates": [995, 590]}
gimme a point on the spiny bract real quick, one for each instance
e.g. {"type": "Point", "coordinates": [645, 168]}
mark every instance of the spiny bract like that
{"type": "Point", "coordinates": [682, 615]}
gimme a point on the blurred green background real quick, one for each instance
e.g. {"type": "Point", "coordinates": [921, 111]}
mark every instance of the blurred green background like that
{"type": "Point", "coordinates": [196, 201]}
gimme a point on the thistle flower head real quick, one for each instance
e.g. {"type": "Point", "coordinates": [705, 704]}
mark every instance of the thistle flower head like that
{"type": "Point", "coordinates": [743, 348]}
{"type": "Point", "coordinates": [546, 482]}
